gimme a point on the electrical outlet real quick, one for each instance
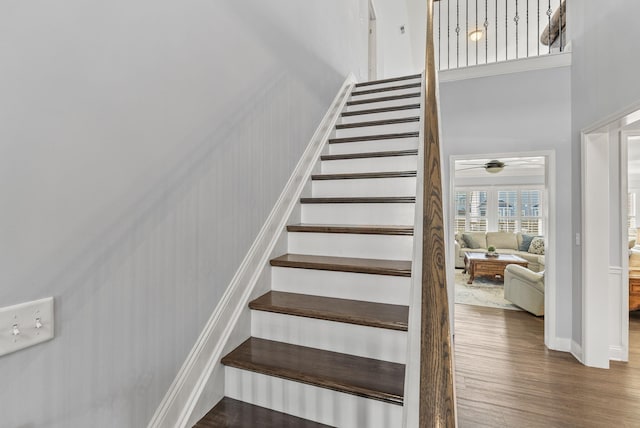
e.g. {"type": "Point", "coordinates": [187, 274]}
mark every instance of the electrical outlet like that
{"type": "Point", "coordinates": [26, 324]}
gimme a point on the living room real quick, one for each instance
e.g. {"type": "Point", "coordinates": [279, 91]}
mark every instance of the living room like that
{"type": "Point", "coordinates": [500, 223]}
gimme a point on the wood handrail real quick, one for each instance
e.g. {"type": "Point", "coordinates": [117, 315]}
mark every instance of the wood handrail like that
{"type": "Point", "coordinates": [437, 392]}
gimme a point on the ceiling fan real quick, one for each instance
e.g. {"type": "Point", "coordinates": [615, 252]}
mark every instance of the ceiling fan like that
{"type": "Point", "coordinates": [492, 167]}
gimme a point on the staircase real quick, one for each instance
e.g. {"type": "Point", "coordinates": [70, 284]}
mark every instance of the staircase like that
{"type": "Point", "coordinates": [329, 341]}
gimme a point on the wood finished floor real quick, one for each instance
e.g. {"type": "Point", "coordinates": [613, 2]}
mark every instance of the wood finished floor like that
{"type": "Point", "coordinates": [505, 376]}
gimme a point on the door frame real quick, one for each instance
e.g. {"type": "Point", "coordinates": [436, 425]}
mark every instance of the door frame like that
{"type": "Point", "coordinates": [596, 171]}
{"type": "Point", "coordinates": [551, 340]}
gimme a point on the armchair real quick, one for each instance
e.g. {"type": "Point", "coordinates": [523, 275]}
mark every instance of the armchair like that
{"type": "Point", "coordinates": [524, 288]}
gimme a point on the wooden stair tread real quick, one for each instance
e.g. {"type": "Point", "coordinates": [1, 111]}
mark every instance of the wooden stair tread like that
{"type": "Point", "coordinates": [344, 264]}
{"type": "Point", "coordinates": [361, 200]}
{"type": "Point", "coordinates": [364, 377]}
{"type": "Point", "coordinates": [391, 153]}
{"type": "Point", "coordinates": [392, 79]}
{"type": "Point", "coordinates": [382, 99]}
{"type": "Point", "coordinates": [379, 122]}
{"type": "Point", "coordinates": [380, 315]}
{"type": "Point", "coordinates": [387, 88]}
{"type": "Point", "coordinates": [364, 175]}
{"type": "Point", "coordinates": [230, 413]}
{"type": "Point", "coordinates": [362, 230]}
{"type": "Point", "coordinates": [380, 110]}
{"type": "Point", "coordinates": [373, 137]}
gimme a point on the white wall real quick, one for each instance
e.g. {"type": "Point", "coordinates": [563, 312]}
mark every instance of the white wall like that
{"type": "Point", "coordinates": [520, 112]}
{"type": "Point", "coordinates": [143, 144]}
{"type": "Point", "coordinates": [395, 56]}
{"type": "Point", "coordinates": [604, 81]}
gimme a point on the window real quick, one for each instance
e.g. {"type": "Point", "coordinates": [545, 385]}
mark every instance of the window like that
{"type": "Point", "coordinates": [471, 211]}
{"type": "Point", "coordinates": [502, 209]}
{"type": "Point", "coordinates": [530, 212]}
{"type": "Point", "coordinates": [508, 210]}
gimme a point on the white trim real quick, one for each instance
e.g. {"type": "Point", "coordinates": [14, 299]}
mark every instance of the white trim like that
{"type": "Point", "coordinates": [623, 117]}
{"type": "Point", "coordinates": [576, 351]}
{"type": "Point", "coordinates": [562, 344]}
{"type": "Point", "coordinates": [411, 407]}
{"type": "Point", "coordinates": [183, 394]}
{"type": "Point", "coordinates": [623, 354]}
{"type": "Point", "coordinates": [595, 255]}
{"type": "Point", "coordinates": [550, 319]}
{"type": "Point", "coordinates": [617, 353]}
{"type": "Point", "coordinates": [542, 62]}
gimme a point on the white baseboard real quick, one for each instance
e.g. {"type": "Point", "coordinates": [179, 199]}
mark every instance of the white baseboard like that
{"type": "Point", "coordinates": [616, 353]}
{"type": "Point", "coordinates": [183, 394]}
{"type": "Point", "coordinates": [576, 351]}
{"type": "Point", "coordinates": [562, 344]}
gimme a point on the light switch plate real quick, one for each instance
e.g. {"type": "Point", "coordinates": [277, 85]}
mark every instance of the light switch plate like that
{"type": "Point", "coordinates": [23, 320]}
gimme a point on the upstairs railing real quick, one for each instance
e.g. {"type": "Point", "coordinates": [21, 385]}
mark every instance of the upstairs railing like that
{"type": "Point", "coordinates": [474, 32]}
{"type": "Point", "coordinates": [437, 393]}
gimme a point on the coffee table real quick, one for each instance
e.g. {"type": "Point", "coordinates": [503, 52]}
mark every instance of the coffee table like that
{"type": "Point", "coordinates": [479, 264]}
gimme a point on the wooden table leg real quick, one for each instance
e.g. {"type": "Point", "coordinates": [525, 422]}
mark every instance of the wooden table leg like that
{"type": "Point", "coordinates": [471, 270]}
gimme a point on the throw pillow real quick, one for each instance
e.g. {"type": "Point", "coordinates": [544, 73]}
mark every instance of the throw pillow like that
{"type": "Point", "coordinates": [537, 246]}
{"type": "Point", "coordinates": [469, 241]}
{"type": "Point", "coordinates": [526, 242]}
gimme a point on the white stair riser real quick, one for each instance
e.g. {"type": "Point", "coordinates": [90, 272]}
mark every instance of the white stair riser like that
{"type": "Point", "coordinates": [374, 146]}
{"type": "Point", "coordinates": [388, 84]}
{"type": "Point", "coordinates": [378, 164]}
{"type": "Point", "coordinates": [390, 247]}
{"type": "Point", "coordinates": [342, 285]}
{"type": "Point", "coordinates": [369, 342]}
{"type": "Point", "coordinates": [382, 104]}
{"type": "Point", "coordinates": [398, 186]}
{"type": "Point", "coordinates": [310, 402]}
{"type": "Point", "coordinates": [397, 114]}
{"type": "Point", "coordinates": [382, 94]}
{"type": "Point", "coordinates": [395, 213]}
{"type": "Point", "coordinates": [377, 129]}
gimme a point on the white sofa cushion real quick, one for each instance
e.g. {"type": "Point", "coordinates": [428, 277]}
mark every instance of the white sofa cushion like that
{"type": "Point", "coordinates": [506, 240]}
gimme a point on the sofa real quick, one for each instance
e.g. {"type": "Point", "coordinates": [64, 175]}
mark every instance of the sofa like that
{"type": "Point", "coordinates": [524, 288]}
{"type": "Point", "coordinates": [504, 242]}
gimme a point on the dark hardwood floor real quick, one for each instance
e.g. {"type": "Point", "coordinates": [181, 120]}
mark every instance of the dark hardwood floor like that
{"type": "Point", "coordinates": [505, 377]}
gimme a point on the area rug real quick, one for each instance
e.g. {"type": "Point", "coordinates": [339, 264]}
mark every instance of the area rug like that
{"type": "Point", "coordinates": [483, 292]}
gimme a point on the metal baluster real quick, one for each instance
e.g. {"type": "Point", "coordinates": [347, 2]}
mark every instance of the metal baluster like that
{"type": "Point", "coordinates": [440, 37]}
{"type": "Point", "coordinates": [457, 33]}
{"type": "Point", "coordinates": [516, 19]}
{"type": "Point", "coordinates": [476, 29]}
{"type": "Point", "coordinates": [466, 50]}
{"type": "Point", "coordinates": [449, 34]}
{"type": "Point", "coordinates": [527, 28]}
{"type": "Point", "coordinates": [486, 32]}
{"type": "Point", "coordinates": [549, 13]}
{"type": "Point", "coordinates": [560, 27]}
{"type": "Point", "coordinates": [496, 30]}
{"type": "Point", "coordinates": [538, 40]}
{"type": "Point", "coordinates": [506, 30]}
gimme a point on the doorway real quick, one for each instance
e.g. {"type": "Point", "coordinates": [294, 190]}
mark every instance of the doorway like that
{"type": "Point", "coordinates": [607, 150]}
{"type": "Point", "coordinates": [516, 194]}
